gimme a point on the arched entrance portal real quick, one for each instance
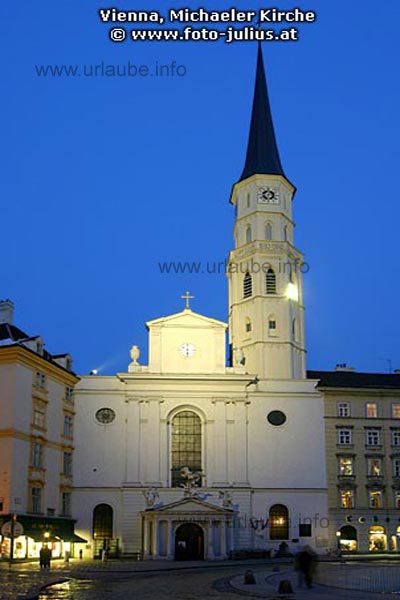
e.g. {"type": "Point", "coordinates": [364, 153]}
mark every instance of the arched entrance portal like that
{"type": "Point", "coordinates": [348, 538]}
{"type": "Point", "coordinates": [189, 542]}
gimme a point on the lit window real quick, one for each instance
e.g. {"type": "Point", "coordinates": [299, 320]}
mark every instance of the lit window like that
{"type": "Point", "coordinates": [396, 438]}
{"type": "Point", "coordinates": [373, 437]}
{"type": "Point", "coordinates": [248, 235]}
{"type": "Point", "coordinates": [344, 437]}
{"type": "Point", "coordinates": [270, 282]}
{"type": "Point", "coordinates": [37, 455]}
{"type": "Point", "coordinates": [375, 499]}
{"type": "Point", "coordinates": [347, 498]}
{"type": "Point", "coordinates": [395, 411]}
{"type": "Point", "coordinates": [66, 504]}
{"type": "Point", "coordinates": [278, 522]}
{"type": "Point", "coordinates": [68, 428]}
{"type": "Point", "coordinates": [374, 467]}
{"type": "Point", "coordinates": [343, 409]}
{"type": "Point", "coordinates": [67, 464]}
{"type": "Point", "coordinates": [247, 286]}
{"type": "Point", "coordinates": [268, 231]}
{"type": "Point", "coordinates": [396, 467]}
{"type": "Point", "coordinates": [36, 499]}
{"type": "Point", "coordinates": [346, 466]}
{"type": "Point", "coordinates": [371, 410]}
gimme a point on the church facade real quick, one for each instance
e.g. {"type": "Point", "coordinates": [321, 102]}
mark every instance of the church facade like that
{"type": "Point", "coordinates": [189, 458]}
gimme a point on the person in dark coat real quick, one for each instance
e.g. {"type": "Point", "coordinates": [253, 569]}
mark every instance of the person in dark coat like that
{"type": "Point", "coordinates": [305, 564]}
{"type": "Point", "coordinates": [42, 554]}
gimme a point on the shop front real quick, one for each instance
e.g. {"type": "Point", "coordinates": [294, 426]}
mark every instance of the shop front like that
{"type": "Point", "coordinates": [57, 534]}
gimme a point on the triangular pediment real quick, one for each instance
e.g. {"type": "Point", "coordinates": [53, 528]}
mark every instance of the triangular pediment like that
{"type": "Point", "coordinates": [190, 506]}
{"type": "Point", "coordinates": [187, 319]}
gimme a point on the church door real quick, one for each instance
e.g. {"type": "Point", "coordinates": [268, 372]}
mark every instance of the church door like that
{"type": "Point", "coordinates": [189, 542]}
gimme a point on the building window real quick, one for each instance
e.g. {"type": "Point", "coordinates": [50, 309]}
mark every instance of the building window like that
{"type": "Point", "coordinates": [186, 445]}
{"type": "Point", "coordinates": [373, 437]}
{"type": "Point", "coordinates": [395, 411]}
{"type": "Point", "coordinates": [374, 467]}
{"type": "Point", "coordinates": [103, 522]}
{"type": "Point", "coordinates": [66, 504]}
{"type": "Point", "coordinates": [346, 466]}
{"type": "Point", "coordinates": [68, 428]}
{"type": "Point", "coordinates": [40, 380]}
{"type": "Point", "coordinates": [39, 415]}
{"type": "Point", "coordinates": [247, 286]}
{"type": "Point", "coordinates": [285, 233]}
{"type": "Point", "coordinates": [347, 499]}
{"type": "Point", "coordinates": [294, 330]}
{"type": "Point", "coordinates": [268, 231]}
{"type": "Point", "coordinates": [36, 499]}
{"type": "Point", "coordinates": [371, 410]}
{"type": "Point", "coordinates": [248, 200]}
{"type": "Point", "coordinates": [248, 325]}
{"type": "Point", "coordinates": [396, 438]}
{"type": "Point", "coordinates": [37, 455]}
{"type": "Point", "coordinates": [344, 437]}
{"type": "Point", "coordinates": [343, 409]}
{"type": "Point", "coordinates": [69, 395]}
{"type": "Point", "coordinates": [67, 464]}
{"type": "Point", "coordinates": [397, 498]}
{"type": "Point", "coordinates": [375, 499]}
{"type": "Point", "coordinates": [278, 522]}
{"type": "Point", "coordinates": [248, 235]}
{"type": "Point", "coordinates": [396, 467]}
{"type": "Point", "coordinates": [272, 326]}
{"type": "Point", "coordinates": [270, 282]}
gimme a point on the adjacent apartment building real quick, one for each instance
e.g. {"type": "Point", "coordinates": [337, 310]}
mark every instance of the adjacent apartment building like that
{"type": "Point", "coordinates": [36, 440]}
{"type": "Point", "coordinates": [362, 432]}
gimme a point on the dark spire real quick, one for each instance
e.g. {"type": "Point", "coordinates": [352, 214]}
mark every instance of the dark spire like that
{"type": "Point", "coordinates": [262, 151]}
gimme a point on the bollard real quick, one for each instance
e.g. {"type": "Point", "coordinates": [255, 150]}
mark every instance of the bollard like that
{"type": "Point", "coordinates": [249, 578]}
{"type": "Point", "coordinates": [285, 587]}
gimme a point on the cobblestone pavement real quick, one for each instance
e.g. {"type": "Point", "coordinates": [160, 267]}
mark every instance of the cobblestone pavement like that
{"type": "Point", "coordinates": [123, 580]}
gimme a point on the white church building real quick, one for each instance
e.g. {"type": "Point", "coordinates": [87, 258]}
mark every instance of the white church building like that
{"type": "Point", "coordinates": [186, 457]}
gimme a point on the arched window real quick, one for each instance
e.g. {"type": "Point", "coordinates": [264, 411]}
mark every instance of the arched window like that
{"type": "Point", "coordinates": [270, 281]}
{"type": "Point", "coordinates": [103, 522]}
{"type": "Point", "coordinates": [247, 286]}
{"type": "Point", "coordinates": [248, 325]}
{"type": "Point", "coordinates": [348, 538]}
{"type": "Point", "coordinates": [186, 445]}
{"type": "Point", "coordinates": [268, 231]}
{"type": "Point", "coordinates": [248, 234]}
{"type": "Point", "coordinates": [278, 522]}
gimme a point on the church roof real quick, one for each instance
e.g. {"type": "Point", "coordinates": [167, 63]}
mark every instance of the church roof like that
{"type": "Point", "coordinates": [262, 150]}
{"type": "Point", "coordinates": [352, 379]}
{"type": "Point", "coordinates": [186, 317]}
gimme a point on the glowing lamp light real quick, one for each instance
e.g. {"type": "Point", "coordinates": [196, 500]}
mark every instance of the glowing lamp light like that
{"type": "Point", "coordinates": [94, 372]}
{"type": "Point", "coordinates": [46, 535]}
{"type": "Point", "coordinates": [292, 293]}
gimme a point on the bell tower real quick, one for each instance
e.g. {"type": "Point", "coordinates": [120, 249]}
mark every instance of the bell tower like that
{"type": "Point", "coordinates": [266, 312]}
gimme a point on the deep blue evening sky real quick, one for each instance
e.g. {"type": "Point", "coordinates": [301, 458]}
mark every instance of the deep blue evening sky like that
{"type": "Point", "coordinates": [102, 178]}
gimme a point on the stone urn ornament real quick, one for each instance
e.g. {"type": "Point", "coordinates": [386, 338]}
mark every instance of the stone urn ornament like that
{"type": "Point", "coordinates": [135, 353]}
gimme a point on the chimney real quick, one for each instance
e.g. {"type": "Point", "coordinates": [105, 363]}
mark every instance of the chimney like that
{"type": "Point", "coordinates": [344, 367]}
{"type": "Point", "coordinates": [6, 312]}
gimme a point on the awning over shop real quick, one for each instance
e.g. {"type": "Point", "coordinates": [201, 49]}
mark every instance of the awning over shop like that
{"type": "Point", "coordinates": [49, 529]}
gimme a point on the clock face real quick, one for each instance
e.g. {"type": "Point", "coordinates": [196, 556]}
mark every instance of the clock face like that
{"type": "Point", "coordinates": [268, 195]}
{"type": "Point", "coordinates": [187, 350]}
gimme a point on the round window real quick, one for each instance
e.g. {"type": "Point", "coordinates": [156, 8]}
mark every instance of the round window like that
{"type": "Point", "coordinates": [276, 417]}
{"type": "Point", "coordinates": [105, 416]}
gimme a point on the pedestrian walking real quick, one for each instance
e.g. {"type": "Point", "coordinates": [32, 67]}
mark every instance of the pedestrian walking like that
{"type": "Point", "coordinates": [305, 565]}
